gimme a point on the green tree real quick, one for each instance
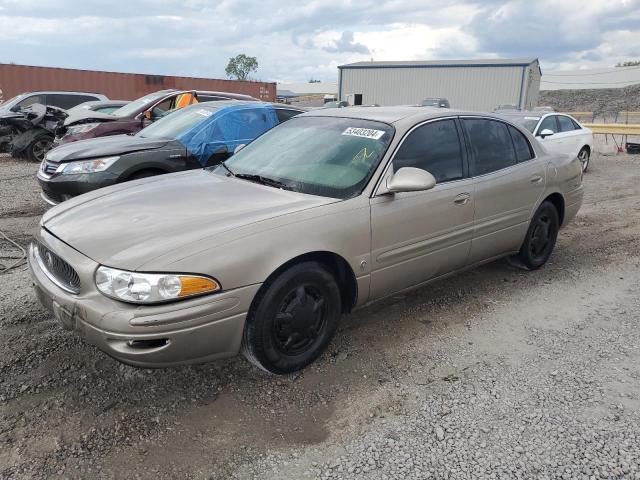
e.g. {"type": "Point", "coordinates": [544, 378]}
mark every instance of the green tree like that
{"type": "Point", "coordinates": [241, 66]}
{"type": "Point", "coordinates": [629, 64]}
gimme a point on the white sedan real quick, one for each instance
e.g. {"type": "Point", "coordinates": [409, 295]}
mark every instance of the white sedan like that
{"type": "Point", "coordinates": [558, 132]}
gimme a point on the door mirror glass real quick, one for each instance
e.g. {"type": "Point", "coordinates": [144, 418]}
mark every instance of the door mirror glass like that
{"type": "Point", "coordinates": [546, 133]}
{"type": "Point", "coordinates": [410, 179]}
{"type": "Point", "coordinates": [239, 147]}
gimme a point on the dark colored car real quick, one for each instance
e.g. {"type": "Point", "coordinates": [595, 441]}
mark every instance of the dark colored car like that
{"type": "Point", "coordinates": [101, 106]}
{"type": "Point", "coordinates": [27, 130]}
{"type": "Point", "coordinates": [436, 102]}
{"type": "Point", "coordinates": [136, 115]}
{"type": "Point", "coordinates": [196, 136]}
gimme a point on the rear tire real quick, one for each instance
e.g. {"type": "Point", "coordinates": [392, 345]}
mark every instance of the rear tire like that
{"type": "Point", "coordinates": [541, 237]}
{"type": "Point", "coordinates": [584, 156]}
{"type": "Point", "coordinates": [39, 147]}
{"type": "Point", "coordinates": [292, 319]}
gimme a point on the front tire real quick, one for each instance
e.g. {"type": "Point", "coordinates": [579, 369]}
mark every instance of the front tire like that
{"type": "Point", "coordinates": [584, 156]}
{"type": "Point", "coordinates": [39, 147]}
{"type": "Point", "coordinates": [541, 237]}
{"type": "Point", "coordinates": [292, 319]}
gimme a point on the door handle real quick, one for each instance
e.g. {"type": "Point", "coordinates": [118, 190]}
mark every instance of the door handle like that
{"type": "Point", "coordinates": [175, 155]}
{"type": "Point", "coordinates": [536, 179]}
{"type": "Point", "coordinates": [462, 199]}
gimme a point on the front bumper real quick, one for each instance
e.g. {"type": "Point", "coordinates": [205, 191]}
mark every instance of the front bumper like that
{"type": "Point", "coordinates": [189, 331]}
{"type": "Point", "coordinates": [57, 188]}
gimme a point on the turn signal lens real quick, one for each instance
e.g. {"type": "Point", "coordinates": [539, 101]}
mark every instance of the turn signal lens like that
{"type": "Point", "coordinates": [196, 285]}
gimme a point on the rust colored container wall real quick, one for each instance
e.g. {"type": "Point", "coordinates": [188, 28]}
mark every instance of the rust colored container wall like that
{"type": "Point", "coordinates": [15, 79]}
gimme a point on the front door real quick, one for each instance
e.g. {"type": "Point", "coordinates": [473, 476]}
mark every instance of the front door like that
{"type": "Point", "coordinates": [508, 181]}
{"type": "Point", "coordinates": [417, 236]}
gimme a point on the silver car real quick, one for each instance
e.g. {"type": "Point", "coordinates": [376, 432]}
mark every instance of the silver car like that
{"type": "Point", "coordinates": [325, 213]}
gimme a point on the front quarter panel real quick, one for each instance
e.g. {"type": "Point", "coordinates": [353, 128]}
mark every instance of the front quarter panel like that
{"type": "Point", "coordinates": [249, 255]}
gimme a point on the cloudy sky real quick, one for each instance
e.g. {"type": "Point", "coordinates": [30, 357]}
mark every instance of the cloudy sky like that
{"type": "Point", "coordinates": [299, 40]}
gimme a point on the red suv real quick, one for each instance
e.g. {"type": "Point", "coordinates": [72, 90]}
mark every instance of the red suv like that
{"type": "Point", "coordinates": [136, 115]}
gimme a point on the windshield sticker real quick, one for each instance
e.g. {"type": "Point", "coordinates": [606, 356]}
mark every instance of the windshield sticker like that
{"type": "Point", "coordinates": [364, 132]}
{"type": "Point", "coordinates": [204, 113]}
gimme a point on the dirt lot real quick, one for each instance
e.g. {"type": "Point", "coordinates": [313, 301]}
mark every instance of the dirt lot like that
{"type": "Point", "coordinates": [495, 373]}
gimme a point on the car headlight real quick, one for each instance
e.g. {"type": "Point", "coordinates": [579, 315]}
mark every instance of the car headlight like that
{"type": "Point", "coordinates": [86, 166]}
{"type": "Point", "coordinates": [84, 127]}
{"type": "Point", "coordinates": [137, 287]}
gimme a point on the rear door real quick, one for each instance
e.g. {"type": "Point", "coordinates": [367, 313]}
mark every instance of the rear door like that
{"type": "Point", "coordinates": [508, 181]}
{"type": "Point", "coordinates": [417, 236]}
{"type": "Point", "coordinates": [572, 137]}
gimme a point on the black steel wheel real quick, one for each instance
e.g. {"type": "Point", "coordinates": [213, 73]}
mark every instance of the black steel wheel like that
{"type": "Point", "coordinates": [292, 319]}
{"type": "Point", "coordinates": [541, 237]}
{"type": "Point", "coordinates": [39, 147]}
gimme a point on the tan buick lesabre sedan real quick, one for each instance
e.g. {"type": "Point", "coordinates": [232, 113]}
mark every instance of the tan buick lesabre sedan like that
{"type": "Point", "coordinates": [327, 212]}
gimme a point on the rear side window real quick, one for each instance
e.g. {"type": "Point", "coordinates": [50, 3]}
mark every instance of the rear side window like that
{"type": "Point", "coordinates": [284, 115]}
{"type": "Point", "coordinates": [565, 124]}
{"type": "Point", "coordinates": [549, 123]}
{"type": "Point", "coordinates": [434, 147]}
{"type": "Point", "coordinates": [521, 144]}
{"type": "Point", "coordinates": [491, 146]}
{"type": "Point", "coordinates": [67, 101]}
{"type": "Point", "coordinates": [575, 125]}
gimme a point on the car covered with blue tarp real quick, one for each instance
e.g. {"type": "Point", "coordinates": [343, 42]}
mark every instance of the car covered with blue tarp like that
{"type": "Point", "coordinates": [197, 136]}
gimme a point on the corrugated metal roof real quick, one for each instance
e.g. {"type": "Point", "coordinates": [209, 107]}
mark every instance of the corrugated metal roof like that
{"type": "Point", "coordinates": [498, 62]}
{"type": "Point", "coordinates": [613, 77]}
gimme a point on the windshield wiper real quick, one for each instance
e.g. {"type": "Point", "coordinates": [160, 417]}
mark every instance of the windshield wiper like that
{"type": "Point", "coordinates": [263, 180]}
{"type": "Point", "coordinates": [227, 168]}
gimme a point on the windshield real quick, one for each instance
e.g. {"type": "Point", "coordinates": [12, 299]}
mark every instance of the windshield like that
{"type": "Point", "coordinates": [136, 105]}
{"type": "Point", "coordinates": [326, 156]}
{"type": "Point", "coordinates": [527, 122]}
{"type": "Point", "coordinates": [175, 123]}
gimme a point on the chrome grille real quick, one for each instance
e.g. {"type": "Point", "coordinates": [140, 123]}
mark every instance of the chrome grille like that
{"type": "Point", "coordinates": [58, 271]}
{"type": "Point", "coordinates": [48, 167]}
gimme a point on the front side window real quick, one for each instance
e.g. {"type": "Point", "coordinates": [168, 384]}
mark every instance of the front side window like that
{"type": "Point", "coordinates": [434, 147]}
{"type": "Point", "coordinates": [549, 123]}
{"type": "Point", "coordinates": [491, 146]}
{"type": "Point", "coordinates": [27, 102]}
{"type": "Point", "coordinates": [325, 156]}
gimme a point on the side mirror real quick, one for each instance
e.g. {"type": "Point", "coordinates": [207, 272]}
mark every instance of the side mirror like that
{"type": "Point", "coordinates": [546, 133]}
{"type": "Point", "coordinates": [410, 179]}
{"type": "Point", "coordinates": [239, 147]}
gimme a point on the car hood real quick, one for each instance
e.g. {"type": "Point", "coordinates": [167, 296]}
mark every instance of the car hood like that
{"type": "Point", "coordinates": [128, 225]}
{"type": "Point", "coordinates": [103, 146]}
{"type": "Point", "coordinates": [89, 116]}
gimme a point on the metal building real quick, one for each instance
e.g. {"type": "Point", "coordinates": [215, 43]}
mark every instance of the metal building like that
{"type": "Point", "coordinates": [479, 85]}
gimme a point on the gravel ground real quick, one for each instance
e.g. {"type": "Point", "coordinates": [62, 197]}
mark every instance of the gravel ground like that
{"type": "Point", "coordinates": [495, 373]}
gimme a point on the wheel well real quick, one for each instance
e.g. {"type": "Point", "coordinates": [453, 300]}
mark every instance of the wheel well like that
{"type": "Point", "coordinates": [558, 202]}
{"type": "Point", "coordinates": [155, 171]}
{"type": "Point", "coordinates": [341, 270]}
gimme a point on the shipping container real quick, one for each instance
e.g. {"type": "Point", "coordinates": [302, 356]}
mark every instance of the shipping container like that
{"type": "Point", "coordinates": [16, 79]}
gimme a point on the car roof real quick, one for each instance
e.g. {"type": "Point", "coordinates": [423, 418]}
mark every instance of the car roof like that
{"type": "Point", "coordinates": [65, 92]}
{"type": "Point", "coordinates": [393, 114]}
